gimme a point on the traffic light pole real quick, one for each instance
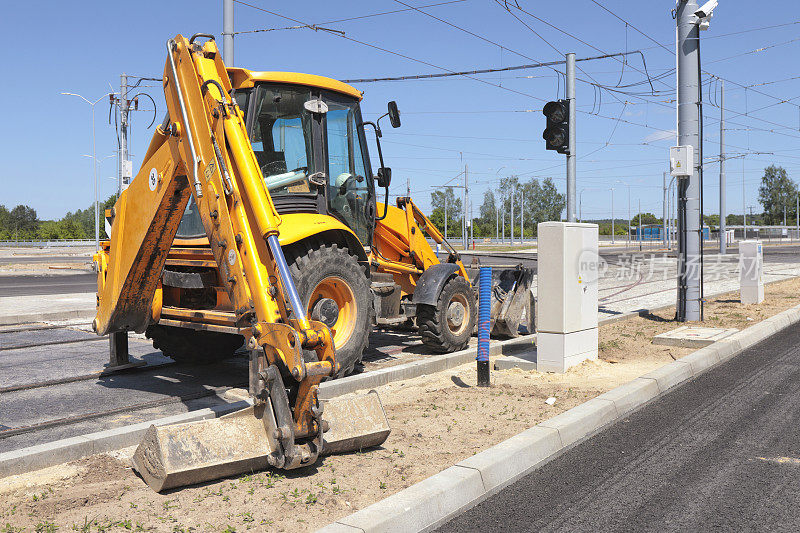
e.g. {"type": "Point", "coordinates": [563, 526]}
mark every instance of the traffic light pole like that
{"type": "Point", "coordinates": [571, 154]}
{"type": "Point", "coordinates": [689, 304]}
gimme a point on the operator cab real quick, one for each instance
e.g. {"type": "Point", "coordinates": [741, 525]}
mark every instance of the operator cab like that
{"type": "Point", "coordinates": [308, 137]}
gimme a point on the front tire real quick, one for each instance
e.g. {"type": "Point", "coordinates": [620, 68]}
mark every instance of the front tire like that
{"type": "Point", "coordinates": [447, 326]}
{"type": "Point", "coordinates": [335, 290]}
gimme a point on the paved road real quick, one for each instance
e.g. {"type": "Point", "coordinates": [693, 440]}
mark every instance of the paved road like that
{"type": "Point", "coordinates": [29, 285]}
{"type": "Point", "coordinates": [53, 259]}
{"type": "Point", "coordinates": [721, 453]}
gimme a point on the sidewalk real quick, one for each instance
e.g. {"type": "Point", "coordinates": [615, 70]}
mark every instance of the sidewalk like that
{"type": "Point", "coordinates": [22, 309]}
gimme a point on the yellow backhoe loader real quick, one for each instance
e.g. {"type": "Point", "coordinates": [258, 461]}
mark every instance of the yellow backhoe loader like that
{"type": "Point", "coordinates": [254, 221]}
{"type": "Point", "coordinates": [356, 261]}
{"type": "Point", "coordinates": [201, 151]}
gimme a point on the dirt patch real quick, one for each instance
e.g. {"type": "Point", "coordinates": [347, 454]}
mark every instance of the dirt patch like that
{"type": "Point", "coordinates": [437, 420]}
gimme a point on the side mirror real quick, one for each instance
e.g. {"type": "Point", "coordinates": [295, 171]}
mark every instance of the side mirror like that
{"type": "Point", "coordinates": [394, 114]}
{"type": "Point", "coordinates": [384, 177]}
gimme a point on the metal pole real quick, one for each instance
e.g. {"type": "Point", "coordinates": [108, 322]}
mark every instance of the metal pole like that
{"type": "Point", "coordinates": [522, 219]}
{"type": "Point", "coordinates": [689, 191]}
{"type": "Point", "coordinates": [612, 215]}
{"type": "Point", "coordinates": [96, 189]}
{"type": "Point", "coordinates": [464, 206]}
{"type": "Point", "coordinates": [571, 154]}
{"type": "Point", "coordinates": [723, 192]}
{"type": "Point", "coordinates": [664, 209]}
{"type": "Point", "coordinates": [630, 219]}
{"type": "Point", "coordinates": [445, 212]}
{"type": "Point", "coordinates": [512, 216]}
{"type": "Point", "coordinates": [471, 226]}
{"type": "Point", "coordinates": [744, 210]}
{"type": "Point", "coordinates": [124, 108]}
{"type": "Point", "coordinates": [639, 230]}
{"type": "Point", "coordinates": [227, 32]}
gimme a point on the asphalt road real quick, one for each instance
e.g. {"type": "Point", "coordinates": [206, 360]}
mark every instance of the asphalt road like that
{"type": "Point", "coordinates": [720, 453]}
{"type": "Point", "coordinates": [29, 285]}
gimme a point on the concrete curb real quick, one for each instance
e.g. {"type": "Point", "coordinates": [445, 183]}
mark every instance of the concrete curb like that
{"type": "Point", "coordinates": [431, 502]}
{"type": "Point", "coordinates": [60, 451]}
{"type": "Point", "coordinates": [9, 320]}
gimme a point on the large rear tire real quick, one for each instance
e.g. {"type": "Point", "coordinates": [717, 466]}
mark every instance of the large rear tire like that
{"type": "Point", "coordinates": [335, 290]}
{"type": "Point", "coordinates": [185, 345]}
{"type": "Point", "coordinates": [447, 326]}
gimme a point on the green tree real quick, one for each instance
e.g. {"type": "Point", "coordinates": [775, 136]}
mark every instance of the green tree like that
{"type": "Point", "coordinates": [22, 222]}
{"type": "Point", "coordinates": [644, 219]}
{"type": "Point", "coordinates": [439, 199]}
{"type": "Point", "coordinates": [777, 192]}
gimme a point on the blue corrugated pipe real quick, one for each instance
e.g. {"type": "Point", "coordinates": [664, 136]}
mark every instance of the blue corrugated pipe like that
{"type": "Point", "coordinates": [484, 323]}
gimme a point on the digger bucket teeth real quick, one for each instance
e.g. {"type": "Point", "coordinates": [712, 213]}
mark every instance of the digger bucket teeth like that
{"type": "Point", "coordinates": [245, 441]}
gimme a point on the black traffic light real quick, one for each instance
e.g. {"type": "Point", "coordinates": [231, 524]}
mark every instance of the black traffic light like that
{"type": "Point", "coordinates": [556, 134]}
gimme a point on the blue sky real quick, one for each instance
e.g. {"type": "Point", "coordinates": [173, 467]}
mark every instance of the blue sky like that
{"type": "Point", "coordinates": [494, 125]}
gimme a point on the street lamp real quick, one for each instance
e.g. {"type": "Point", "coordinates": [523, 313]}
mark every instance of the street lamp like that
{"type": "Point", "coordinates": [94, 156]}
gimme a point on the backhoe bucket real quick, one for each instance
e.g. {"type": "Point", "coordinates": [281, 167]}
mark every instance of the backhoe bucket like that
{"type": "Point", "coordinates": [244, 441]}
{"type": "Point", "coordinates": [512, 302]}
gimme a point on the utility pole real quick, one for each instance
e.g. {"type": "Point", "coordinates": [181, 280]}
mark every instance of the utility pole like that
{"type": "Point", "coordinates": [723, 193]}
{"type": "Point", "coordinates": [504, 224]}
{"type": "Point", "coordinates": [570, 82]}
{"type": "Point", "coordinates": [689, 304]}
{"type": "Point", "coordinates": [612, 215]}
{"type": "Point", "coordinates": [464, 217]}
{"type": "Point", "coordinates": [664, 209]}
{"type": "Point", "coordinates": [445, 212]}
{"type": "Point", "coordinates": [744, 211]}
{"type": "Point", "coordinates": [522, 219]}
{"type": "Point", "coordinates": [630, 219]}
{"type": "Point", "coordinates": [124, 164]}
{"type": "Point", "coordinates": [496, 223]}
{"type": "Point", "coordinates": [512, 216]}
{"type": "Point", "coordinates": [227, 32]}
{"type": "Point", "coordinates": [639, 228]}
{"type": "Point", "coordinates": [471, 226]}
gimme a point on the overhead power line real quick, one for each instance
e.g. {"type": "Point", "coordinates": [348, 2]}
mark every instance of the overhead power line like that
{"type": "Point", "coordinates": [348, 19]}
{"type": "Point", "coordinates": [483, 71]}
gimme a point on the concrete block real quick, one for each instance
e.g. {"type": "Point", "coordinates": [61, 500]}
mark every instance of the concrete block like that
{"type": "Point", "coordinates": [557, 352]}
{"type": "Point", "coordinates": [702, 360]}
{"type": "Point", "coordinates": [670, 375]}
{"type": "Point", "coordinates": [631, 395]}
{"type": "Point", "coordinates": [751, 294]}
{"type": "Point", "coordinates": [503, 463]}
{"type": "Point", "coordinates": [582, 420]}
{"type": "Point", "coordinates": [693, 336]}
{"type": "Point", "coordinates": [727, 348]}
{"type": "Point", "coordinates": [44, 455]}
{"type": "Point", "coordinates": [420, 506]}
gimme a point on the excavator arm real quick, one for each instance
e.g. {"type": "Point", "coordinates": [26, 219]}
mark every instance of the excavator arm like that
{"type": "Point", "coordinates": [202, 150]}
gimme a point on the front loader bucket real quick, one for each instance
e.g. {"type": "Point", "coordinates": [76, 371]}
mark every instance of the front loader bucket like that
{"type": "Point", "coordinates": [512, 302]}
{"type": "Point", "coordinates": [356, 422]}
{"type": "Point", "coordinates": [244, 441]}
{"type": "Point", "coordinates": [185, 454]}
